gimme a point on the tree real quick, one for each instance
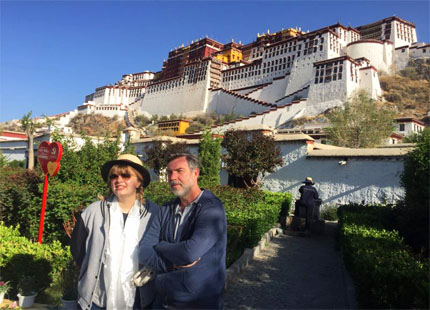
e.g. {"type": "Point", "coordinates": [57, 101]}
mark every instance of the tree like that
{"type": "Point", "coordinates": [361, 123]}
{"type": "Point", "coordinates": [210, 159]}
{"type": "Point", "coordinates": [417, 137]}
{"type": "Point", "coordinates": [29, 127]}
{"type": "Point", "coordinates": [414, 212]}
{"type": "Point", "coordinates": [158, 153]}
{"type": "Point", "coordinates": [3, 160]}
{"type": "Point", "coordinates": [249, 155]}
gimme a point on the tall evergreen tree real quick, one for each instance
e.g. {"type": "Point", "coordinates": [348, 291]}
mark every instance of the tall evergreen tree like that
{"type": "Point", "coordinates": [210, 159]}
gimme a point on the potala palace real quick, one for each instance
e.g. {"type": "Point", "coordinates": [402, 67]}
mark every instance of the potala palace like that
{"type": "Point", "coordinates": [277, 78]}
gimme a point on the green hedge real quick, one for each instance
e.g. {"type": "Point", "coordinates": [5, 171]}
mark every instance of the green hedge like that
{"type": "Point", "coordinates": [282, 199]}
{"type": "Point", "coordinates": [385, 272]}
{"type": "Point", "coordinates": [254, 210]}
{"type": "Point", "coordinates": [21, 200]}
{"type": "Point", "coordinates": [250, 212]}
{"type": "Point", "coordinates": [20, 257]}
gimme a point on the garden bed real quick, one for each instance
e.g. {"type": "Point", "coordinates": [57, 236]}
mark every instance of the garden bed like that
{"type": "Point", "coordinates": [384, 270]}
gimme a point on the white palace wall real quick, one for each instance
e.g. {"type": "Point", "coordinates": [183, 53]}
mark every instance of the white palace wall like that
{"type": "Point", "coordinates": [225, 103]}
{"type": "Point", "coordinates": [273, 118]}
{"type": "Point", "coordinates": [403, 53]}
{"type": "Point", "coordinates": [302, 72]}
{"type": "Point", "coordinates": [325, 95]}
{"type": "Point", "coordinates": [369, 81]}
{"type": "Point", "coordinates": [273, 91]}
{"type": "Point", "coordinates": [189, 99]}
{"type": "Point", "coordinates": [372, 180]}
{"type": "Point", "coordinates": [379, 53]}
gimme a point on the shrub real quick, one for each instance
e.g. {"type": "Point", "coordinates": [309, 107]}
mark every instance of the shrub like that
{"type": "Point", "coordinates": [250, 155]}
{"type": "Point", "coordinates": [63, 200]}
{"type": "Point", "coordinates": [20, 257]}
{"type": "Point", "coordinates": [251, 213]}
{"type": "Point", "coordinates": [384, 271]}
{"type": "Point", "coordinates": [27, 286]}
{"type": "Point", "coordinates": [158, 153]}
{"type": "Point", "coordinates": [210, 159]}
{"type": "Point", "coordinates": [282, 199]}
{"type": "Point", "coordinates": [329, 213]}
{"type": "Point", "coordinates": [159, 192]}
{"type": "Point", "coordinates": [19, 188]}
{"type": "Point", "coordinates": [255, 221]}
{"type": "Point", "coordinates": [69, 281]}
{"type": "Point", "coordinates": [234, 249]}
{"type": "Point", "coordinates": [413, 214]}
{"type": "Point", "coordinates": [76, 185]}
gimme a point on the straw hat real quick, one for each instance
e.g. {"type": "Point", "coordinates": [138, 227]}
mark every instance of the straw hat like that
{"type": "Point", "coordinates": [309, 180]}
{"type": "Point", "coordinates": [128, 160]}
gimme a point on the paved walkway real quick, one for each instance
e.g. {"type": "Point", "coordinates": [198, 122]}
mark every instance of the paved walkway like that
{"type": "Point", "coordinates": [294, 272]}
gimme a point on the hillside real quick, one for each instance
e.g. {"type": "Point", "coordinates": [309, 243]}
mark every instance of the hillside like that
{"type": "Point", "coordinates": [409, 90]}
{"type": "Point", "coordinates": [97, 125]}
{"type": "Point", "coordinates": [407, 96]}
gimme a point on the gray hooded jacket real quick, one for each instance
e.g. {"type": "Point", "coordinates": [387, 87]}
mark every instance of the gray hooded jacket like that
{"type": "Point", "coordinates": [88, 247]}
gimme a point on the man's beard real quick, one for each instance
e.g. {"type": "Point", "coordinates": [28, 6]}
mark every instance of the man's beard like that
{"type": "Point", "coordinates": [182, 191]}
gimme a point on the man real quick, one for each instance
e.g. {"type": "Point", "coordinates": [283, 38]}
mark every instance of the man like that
{"type": "Point", "coordinates": [186, 243]}
{"type": "Point", "coordinates": [308, 198]}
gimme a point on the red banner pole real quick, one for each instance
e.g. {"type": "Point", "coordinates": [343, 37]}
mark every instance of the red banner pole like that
{"type": "Point", "coordinates": [42, 213]}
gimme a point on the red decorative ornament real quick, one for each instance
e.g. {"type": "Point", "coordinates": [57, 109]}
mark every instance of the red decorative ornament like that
{"type": "Point", "coordinates": [49, 156]}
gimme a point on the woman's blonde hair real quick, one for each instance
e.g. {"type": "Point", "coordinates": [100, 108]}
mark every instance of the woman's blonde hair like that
{"type": "Point", "coordinates": [118, 169]}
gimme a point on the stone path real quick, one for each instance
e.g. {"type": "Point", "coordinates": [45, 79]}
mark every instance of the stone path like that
{"type": "Point", "coordinates": [294, 272]}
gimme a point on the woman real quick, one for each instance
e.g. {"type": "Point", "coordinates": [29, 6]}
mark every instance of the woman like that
{"type": "Point", "coordinates": [106, 237]}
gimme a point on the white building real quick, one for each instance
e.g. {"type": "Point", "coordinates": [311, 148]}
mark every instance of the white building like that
{"type": "Point", "coordinates": [407, 125]}
{"type": "Point", "coordinates": [13, 145]}
{"type": "Point", "coordinates": [342, 175]}
{"type": "Point", "coordinates": [114, 100]}
{"type": "Point", "coordinates": [278, 77]}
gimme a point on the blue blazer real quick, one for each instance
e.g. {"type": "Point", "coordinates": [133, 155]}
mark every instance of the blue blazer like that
{"type": "Point", "coordinates": [204, 236]}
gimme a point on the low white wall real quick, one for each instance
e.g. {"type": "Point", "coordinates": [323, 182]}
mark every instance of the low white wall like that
{"type": "Point", "coordinates": [374, 180]}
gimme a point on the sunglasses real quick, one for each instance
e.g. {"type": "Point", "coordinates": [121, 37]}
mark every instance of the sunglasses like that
{"type": "Point", "coordinates": [125, 176]}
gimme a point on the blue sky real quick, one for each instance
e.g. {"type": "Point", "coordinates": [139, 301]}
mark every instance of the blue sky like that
{"type": "Point", "coordinates": [54, 53]}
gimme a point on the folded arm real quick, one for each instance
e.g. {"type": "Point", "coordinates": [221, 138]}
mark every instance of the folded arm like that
{"type": "Point", "coordinates": [208, 229]}
{"type": "Point", "coordinates": [147, 254]}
